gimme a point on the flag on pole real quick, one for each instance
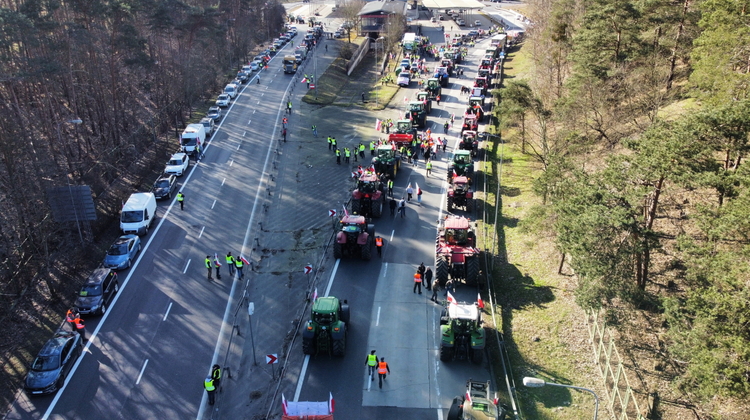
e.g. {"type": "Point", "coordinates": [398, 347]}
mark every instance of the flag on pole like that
{"type": "Point", "coordinates": [244, 260]}
{"type": "Point", "coordinates": [451, 299]}
{"type": "Point", "coordinates": [284, 404]}
{"type": "Point", "coordinates": [346, 213]}
{"type": "Point", "coordinates": [304, 80]}
{"type": "Point", "coordinates": [216, 260]}
{"type": "Point", "coordinates": [480, 302]}
{"type": "Point", "coordinates": [378, 125]}
{"type": "Point", "coordinates": [468, 396]}
{"type": "Point", "coordinates": [331, 403]}
{"type": "Point", "coordinates": [315, 294]}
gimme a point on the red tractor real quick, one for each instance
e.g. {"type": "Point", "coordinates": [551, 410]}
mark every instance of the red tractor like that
{"type": "Point", "coordinates": [368, 199]}
{"type": "Point", "coordinates": [469, 141]}
{"type": "Point", "coordinates": [460, 194]}
{"type": "Point", "coordinates": [470, 123]}
{"type": "Point", "coordinates": [354, 238]}
{"type": "Point", "coordinates": [456, 255]}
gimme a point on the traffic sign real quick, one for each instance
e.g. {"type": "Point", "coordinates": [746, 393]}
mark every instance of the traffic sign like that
{"type": "Point", "coordinates": [308, 269]}
{"type": "Point", "coordinates": [312, 86]}
{"type": "Point", "coordinates": [272, 359]}
{"type": "Point", "coordinates": [331, 213]}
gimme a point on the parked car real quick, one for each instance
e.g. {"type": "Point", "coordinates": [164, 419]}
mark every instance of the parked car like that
{"type": "Point", "coordinates": [242, 76]}
{"type": "Point", "coordinates": [209, 124]}
{"type": "Point", "coordinates": [460, 22]}
{"type": "Point", "coordinates": [53, 363]}
{"type": "Point", "coordinates": [403, 79]}
{"type": "Point", "coordinates": [256, 65]}
{"type": "Point", "coordinates": [177, 164]}
{"type": "Point", "coordinates": [477, 23]}
{"type": "Point", "coordinates": [164, 186]}
{"type": "Point", "coordinates": [122, 253]}
{"type": "Point", "coordinates": [214, 113]}
{"type": "Point", "coordinates": [223, 100]}
{"type": "Point", "coordinates": [97, 293]}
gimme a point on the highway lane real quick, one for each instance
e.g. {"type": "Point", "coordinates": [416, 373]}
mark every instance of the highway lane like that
{"type": "Point", "coordinates": [150, 358]}
{"type": "Point", "coordinates": [386, 315]}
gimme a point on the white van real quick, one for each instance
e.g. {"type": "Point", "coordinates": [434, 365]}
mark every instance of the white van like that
{"type": "Point", "coordinates": [138, 213]}
{"type": "Point", "coordinates": [232, 90]}
{"type": "Point", "coordinates": [193, 136]}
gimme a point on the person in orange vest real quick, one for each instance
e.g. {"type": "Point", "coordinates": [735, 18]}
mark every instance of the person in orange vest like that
{"type": "Point", "coordinates": [382, 369]}
{"type": "Point", "coordinates": [81, 327]}
{"type": "Point", "coordinates": [379, 245]}
{"type": "Point", "coordinates": [71, 316]}
{"type": "Point", "coordinates": [417, 283]}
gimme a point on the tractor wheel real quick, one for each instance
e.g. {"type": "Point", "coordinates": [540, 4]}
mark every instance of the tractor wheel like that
{"type": "Point", "coordinates": [377, 207]}
{"type": "Point", "coordinates": [472, 271]}
{"type": "Point", "coordinates": [339, 347]}
{"type": "Point", "coordinates": [367, 249]}
{"type": "Point", "coordinates": [457, 409]}
{"type": "Point", "coordinates": [450, 204]}
{"type": "Point", "coordinates": [446, 354]}
{"type": "Point", "coordinates": [337, 251]}
{"type": "Point", "coordinates": [308, 345]}
{"type": "Point", "coordinates": [356, 207]}
{"type": "Point", "coordinates": [476, 356]}
{"type": "Point", "coordinates": [442, 269]}
{"type": "Point", "coordinates": [345, 313]}
{"type": "Point", "coordinates": [469, 205]}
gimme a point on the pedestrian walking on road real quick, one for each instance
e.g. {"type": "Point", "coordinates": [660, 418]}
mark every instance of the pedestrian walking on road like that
{"type": "Point", "coordinates": [338, 157]}
{"type": "Point", "coordinates": [208, 266]}
{"type": "Point", "coordinates": [258, 80]}
{"type": "Point", "coordinates": [361, 150]}
{"type": "Point", "coordinates": [445, 127]}
{"type": "Point", "coordinates": [315, 130]}
{"type": "Point", "coordinates": [363, 97]}
{"type": "Point", "coordinates": [217, 266]}
{"type": "Point", "coordinates": [216, 376]}
{"type": "Point", "coordinates": [289, 107]}
{"type": "Point", "coordinates": [437, 98]}
{"type": "Point", "coordinates": [326, 47]}
{"type": "Point", "coordinates": [428, 167]}
{"type": "Point", "coordinates": [70, 318]}
{"type": "Point", "coordinates": [372, 364]}
{"type": "Point", "coordinates": [81, 327]}
{"type": "Point", "coordinates": [409, 192]}
{"type": "Point", "coordinates": [392, 203]}
{"type": "Point", "coordinates": [421, 269]}
{"type": "Point", "coordinates": [239, 264]}
{"type": "Point", "coordinates": [208, 384]}
{"type": "Point", "coordinates": [334, 143]}
{"type": "Point", "coordinates": [330, 143]}
{"type": "Point", "coordinates": [417, 283]}
{"type": "Point", "coordinates": [379, 245]}
{"type": "Point", "coordinates": [347, 154]}
{"type": "Point", "coordinates": [428, 278]}
{"type": "Point", "coordinates": [419, 195]}
{"type": "Point", "coordinates": [402, 207]}
{"type": "Point", "coordinates": [181, 200]}
{"type": "Point", "coordinates": [283, 134]}
{"type": "Point", "coordinates": [383, 369]}
{"type": "Point", "coordinates": [445, 144]}
{"type": "Point", "coordinates": [435, 290]}
{"type": "Point", "coordinates": [390, 188]}
{"type": "Point", "coordinates": [230, 263]}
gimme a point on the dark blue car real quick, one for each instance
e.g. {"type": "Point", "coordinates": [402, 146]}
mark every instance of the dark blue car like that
{"type": "Point", "coordinates": [53, 363]}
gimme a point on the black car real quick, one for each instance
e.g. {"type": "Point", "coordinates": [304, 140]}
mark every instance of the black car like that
{"type": "Point", "coordinates": [53, 363]}
{"type": "Point", "coordinates": [242, 76]}
{"type": "Point", "coordinates": [164, 186]}
{"type": "Point", "coordinates": [97, 293]}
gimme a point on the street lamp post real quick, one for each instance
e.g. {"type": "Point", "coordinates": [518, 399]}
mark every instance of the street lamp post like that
{"type": "Point", "coordinates": [538, 383]}
{"type": "Point", "coordinates": [379, 42]}
{"type": "Point", "coordinates": [67, 177]}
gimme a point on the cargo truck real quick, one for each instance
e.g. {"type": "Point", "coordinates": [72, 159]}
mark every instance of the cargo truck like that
{"type": "Point", "coordinates": [290, 64]}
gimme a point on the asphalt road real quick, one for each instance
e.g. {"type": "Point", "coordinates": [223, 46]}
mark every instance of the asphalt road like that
{"type": "Point", "coordinates": [149, 354]}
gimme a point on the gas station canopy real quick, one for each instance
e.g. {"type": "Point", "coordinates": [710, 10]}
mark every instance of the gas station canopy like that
{"type": "Point", "coordinates": [452, 4]}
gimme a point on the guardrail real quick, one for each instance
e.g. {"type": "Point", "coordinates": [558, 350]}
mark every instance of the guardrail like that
{"type": "Point", "coordinates": [621, 399]}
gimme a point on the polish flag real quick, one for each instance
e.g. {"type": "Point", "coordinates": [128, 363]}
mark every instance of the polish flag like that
{"type": "Point", "coordinates": [216, 260]}
{"type": "Point", "coordinates": [315, 294]}
{"type": "Point", "coordinates": [244, 260]}
{"type": "Point", "coordinates": [378, 125]}
{"type": "Point", "coordinates": [468, 397]}
{"type": "Point", "coordinates": [451, 299]}
{"type": "Point", "coordinates": [346, 213]}
{"type": "Point", "coordinates": [480, 302]}
{"type": "Point", "coordinates": [304, 80]}
{"type": "Point", "coordinates": [284, 405]}
{"type": "Point", "coordinates": [331, 403]}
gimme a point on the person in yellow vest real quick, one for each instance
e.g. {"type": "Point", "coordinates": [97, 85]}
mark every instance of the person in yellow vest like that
{"type": "Point", "coordinates": [372, 148]}
{"type": "Point", "coordinates": [208, 385]}
{"type": "Point", "coordinates": [372, 364]}
{"type": "Point", "coordinates": [347, 154]}
{"type": "Point", "coordinates": [239, 264]}
{"type": "Point", "coordinates": [362, 150]}
{"type": "Point", "coordinates": [390, 188]}
{"type": "Point", "coordinates": [379, 245]}
{"type": "Point", "coordinates": [230, 263]}
{"type": "Point", "coordinates": [208, 266]}
{"type": "Point", "coordinates": [216, 375]}
{"type": "Point", "coordinates": [338, 157]}
{"type": "Point", "coordinates": [181, 200]}
{"type": "Point", "coordinates": [417, 283]}
{"type": "Point", "coordinates": [383, 368]}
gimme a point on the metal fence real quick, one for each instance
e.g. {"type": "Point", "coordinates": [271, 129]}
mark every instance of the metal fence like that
{"type": "Point", "coordinates": [621, 398]}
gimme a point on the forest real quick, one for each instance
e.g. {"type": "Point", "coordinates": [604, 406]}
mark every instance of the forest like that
{"type": "Point", "coordinates": [638, 115]}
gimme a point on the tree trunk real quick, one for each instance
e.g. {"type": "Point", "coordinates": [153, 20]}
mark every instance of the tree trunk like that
{"type": "Point", "coordinates": [673, 57]}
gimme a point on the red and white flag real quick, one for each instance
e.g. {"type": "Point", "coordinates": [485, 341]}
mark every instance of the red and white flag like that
{"type": "Point", "coordinates": [346, 213]}
{"type": "Point", "coordinates": [284, 405]}
{"type": "Point", "coordinates": [331, 403]}
{"type": "Point", "coordinates": [468, 397]}
{"type": "Point", "coordinates": [304, 80]}
{"type": "Point", "coordinates": [216, 260]}
{"type": "Point", "coordinates": [480, 302]}
{"type": "Point", "coordinates": [244, 260]}
{"type": "Point", "coordinates": [451, 299]}
{"type": "Point", "coordinates": [378, 125]}
{"type": "Point", "coordinates": [315, 294]}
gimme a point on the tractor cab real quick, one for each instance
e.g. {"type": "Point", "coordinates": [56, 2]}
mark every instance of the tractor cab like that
{"type": "Point", "coordinates": [461, 185]}
{"type": "Point", "coordinates": [475, 109]}
{"type": "Point", "coordinates": [403, 133]}
{"type": "Point", "coordinates": [368, 183]}
{"type": "Point", "coordinates": [424, 97]}
{"type": "Point", "coordinates": [353, 224]}
{"type": "Point", "coordinates": [416, 113]}
{"type": "Point", "coordinates": [469, 141]}
{"type": "Point", "coordinates": [448, 64]}
{"type": "Point", "coordinates": [470, 122]}
{"type": "Point", "coordinates": [458, 232]}
{"type": "Point", "coordinates": [433, 87]}
{"type": "Point", "coordinates": [385, 153]}
{"type": "Point", "coordinates": [461, 165]}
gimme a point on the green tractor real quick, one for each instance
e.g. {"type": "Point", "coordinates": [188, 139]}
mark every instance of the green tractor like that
{"type": "Point", "coordinates": [462, 334]}
{"type": "Point", "coordinates": [461, 165]}
{"type": "Point", "coordinates": [424, 97]}
{"type": "Point", "coordinates": [387, 161]}
{"type": "Point", "coordinates": [325, 332]}
{"type": "Point", "coordinates": [417, 114]}
{"type": "Point", "coordinates": [433, 87]}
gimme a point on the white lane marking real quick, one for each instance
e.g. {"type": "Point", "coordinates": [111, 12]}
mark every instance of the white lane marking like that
{"type": "Point", "coordinates": [392, 232]}
{"type": "Point", "coordinates": [385, 270]}
{"type": "Point", "coordinates": [212, 205]}
{"type": "Point", "coordinates": [223, 181]}
{"type": "Point", "coordinates": [201, 234]}
{"type": "Point", "coordinates": [243, 133]}
{"type": "Point", "coordinates": [254, 111]}
{"type": "Point", "coordinates": [303, 372]}
{"type": "Point", "coordinates": [238, 146]}
{"type": "Point", "coordinates": [377, 320]}
{"type": "Point", "coordinates": [140, 375]}
{"type": "Point", "coordinates": [167, 313]}
{"type": "Point", "coordinates": [231, 162]}
{"type": "Point", "coordinates": [186, 266]}
{"type": "Point", "coordinates": [258, 102]}
{"type": "Point", "coordinates": [248, 122]}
